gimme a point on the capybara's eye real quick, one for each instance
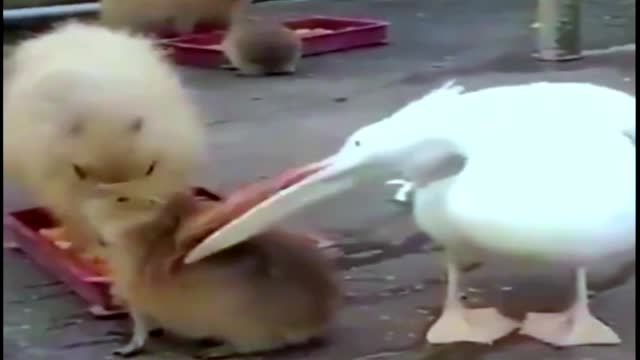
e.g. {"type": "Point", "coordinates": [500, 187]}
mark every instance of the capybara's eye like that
{"type": "Point", "coordinates": [151, 168]}
{"type": "Point", "coordinates": [79, 172]}
{"type": "Point", "coordinates": [122, 199]}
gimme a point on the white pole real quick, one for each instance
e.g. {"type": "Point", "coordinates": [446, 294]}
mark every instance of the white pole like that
{"type": "Point", "coordinates": [16, 15]}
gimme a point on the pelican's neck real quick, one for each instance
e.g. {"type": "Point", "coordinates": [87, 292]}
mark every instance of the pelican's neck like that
{"type": "Point", "coordinates": [439, 149]}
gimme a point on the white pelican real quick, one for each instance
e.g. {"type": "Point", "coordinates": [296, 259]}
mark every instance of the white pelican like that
{"type": "Point", "coordinates": [542, 172]}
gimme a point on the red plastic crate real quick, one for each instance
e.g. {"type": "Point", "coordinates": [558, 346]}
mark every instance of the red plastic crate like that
{"type": "Point", "coordinates": [75, 273]}
{"type": "Point", "coordinates": [200, 48]}
{"type": "Point", "coordinates": [169, 34]}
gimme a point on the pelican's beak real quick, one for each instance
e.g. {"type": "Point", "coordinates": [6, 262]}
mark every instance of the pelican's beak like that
{"type": "Point", "coordinates": [317, 182]}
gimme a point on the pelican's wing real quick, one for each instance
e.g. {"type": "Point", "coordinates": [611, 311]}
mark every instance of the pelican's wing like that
{"type": "Point", "coordinates": [573, 198]}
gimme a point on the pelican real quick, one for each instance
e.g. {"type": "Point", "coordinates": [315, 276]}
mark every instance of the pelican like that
{"type": "Point", "coordinates": [543, 172]}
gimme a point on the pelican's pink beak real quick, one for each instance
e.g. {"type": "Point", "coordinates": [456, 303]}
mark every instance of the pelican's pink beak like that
{"type": "Point", "coordinates": [247, 197]}
{"type": "Point", "coordinates": [291, 191]}
{"type": "Point", "coordinates": [292, 177]}
{"type": "Point", "coordinates": [210, 220]}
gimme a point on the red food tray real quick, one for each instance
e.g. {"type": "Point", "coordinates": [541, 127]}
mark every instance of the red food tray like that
{"type": "Point", "coordinates": [77, 274]}
{"type": "Point", "coordinates": [162, 36]}
{"type": "Point", "coordinates": [200, 49]}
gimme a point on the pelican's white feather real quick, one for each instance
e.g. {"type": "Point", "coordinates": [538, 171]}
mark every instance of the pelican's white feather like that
{"type": "Point", "coordinates": [562, 201]}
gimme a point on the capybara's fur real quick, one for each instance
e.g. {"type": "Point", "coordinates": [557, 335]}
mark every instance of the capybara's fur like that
{"type": "Point", "coordinates": [273, 290]}
{"type": "Point", "coordinates": [260, 46]}
{"type": "Point", "coordinates": [86, 105]}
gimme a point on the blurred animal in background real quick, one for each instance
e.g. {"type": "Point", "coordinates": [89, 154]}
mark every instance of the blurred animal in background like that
{"type": "Point", "coordinates": [180, 15]}
{"type": "Point", "coordinates": [258, 46]}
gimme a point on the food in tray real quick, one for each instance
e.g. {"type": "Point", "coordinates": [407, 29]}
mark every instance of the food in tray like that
{"type": "Point", "coordinates": [97, 264]}
{"type": "Point", "coordinates": [55, 235]}
{"type": "Point", "coordinates": [312, 32]}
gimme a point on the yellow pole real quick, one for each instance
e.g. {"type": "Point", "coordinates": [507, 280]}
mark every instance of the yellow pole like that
{"type": "Point", "coordinates": [558, 30]}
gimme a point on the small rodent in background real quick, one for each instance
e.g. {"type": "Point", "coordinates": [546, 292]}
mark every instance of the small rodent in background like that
{"type": "Point", "coordinates": [259, 46]}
